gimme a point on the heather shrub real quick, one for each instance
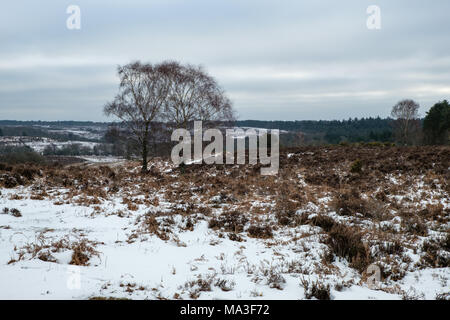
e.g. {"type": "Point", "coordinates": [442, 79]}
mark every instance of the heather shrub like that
{"type": "Point", "coordinates": [316, 289]}
{"type": "Point", "coordinates": [346, 242]}
{"type": "Point", "coordinates": [230, 221]}
{"type": "Point", "coordinates": [356, 166]}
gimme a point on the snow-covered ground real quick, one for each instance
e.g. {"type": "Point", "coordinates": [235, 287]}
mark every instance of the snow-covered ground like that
{"type": "Point", "coordinates": [94, 133]}
{"type": "Point", "coordinates": [38, 144]}
{"type": "Point", "coordinates": [103, 159]}
{"type": "Point", "coordinates": [193, 262]}
{"type": "Point", "coordinates": [155, 268]}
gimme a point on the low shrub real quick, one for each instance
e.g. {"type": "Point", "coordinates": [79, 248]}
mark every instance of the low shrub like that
{"type": "Point", "coordinates": [346, 242]}
{"type": "Point", "coordinates": [230, 221]}
{"type": "Point", "coordinates": [434, 256]}
{"type": "Point", "coordinates": [285, 211]}
{"type": "Point", "coordinates": [82, 252]}
{"type": "Point", "coordinates": [153, 226]}
{"type": "Point", "coordinates": [322, 221]}
{"type": "Point", "coordinates": [316, 290]}
{"type": "Point", "coordinates": [15, 212]}
{"type": "Point", "coordinates": [391, 248]}
{"type": "Point", "coordinates": [414, 225]}
{"type": "Point", "coordinates": [262, 232]}
{"type": "Point", "coordinates": [15, 155]}
{"type": "Point", "coordinates": [356, 166]}
{"type": "Point", "coordinates": [349, 202]}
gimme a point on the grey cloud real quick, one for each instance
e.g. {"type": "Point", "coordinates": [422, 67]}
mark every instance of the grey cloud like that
{"type": "Point", "coordinates": [276, 59]}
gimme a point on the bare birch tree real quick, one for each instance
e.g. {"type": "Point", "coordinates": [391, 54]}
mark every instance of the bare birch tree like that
{"type": "Point", "coordinates": [195, 95]}
{"type": "Point", "coordinates": [168, 92]}
{"type": "Point", "coordinates": [143, 90]}
{"type": "Point", "coordinates": [406, 121]}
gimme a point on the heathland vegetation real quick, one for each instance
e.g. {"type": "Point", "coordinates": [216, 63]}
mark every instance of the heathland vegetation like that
{"type": "Point", "coordinates": [312, 231]}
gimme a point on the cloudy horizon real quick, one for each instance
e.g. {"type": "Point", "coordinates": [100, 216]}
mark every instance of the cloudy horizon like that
{"type": "Point", "coordinates": [277, 60]}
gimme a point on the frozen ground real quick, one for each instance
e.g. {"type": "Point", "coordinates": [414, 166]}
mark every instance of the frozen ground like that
{"type": "Point", "coordinates": [157, 269]}
{"type": "Point", "coordinates": [181, 258]}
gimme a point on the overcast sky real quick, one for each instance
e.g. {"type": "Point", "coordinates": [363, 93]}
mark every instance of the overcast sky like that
{"type": "Point", "coordinates": [277, 59]}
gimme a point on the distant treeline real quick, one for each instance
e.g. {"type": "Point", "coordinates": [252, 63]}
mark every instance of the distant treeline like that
{"type": "Point", "coordinates": [28, 130]}
{"type": "Point", "coordinates": [314, 126]}
{"type": "Point", "coordinates": [52, 123]}
{"type": "Point", "coordinates": [299, 132]}
{"type": "Point", "coordinates": [76, 149]}
{"type": "Point", "coordinates": [320, 131]}
{"type": "Point", "coordinates": [331, 131]}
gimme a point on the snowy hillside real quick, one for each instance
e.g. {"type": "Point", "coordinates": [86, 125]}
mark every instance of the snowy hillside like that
{"type": "Point", "coordinates": [226, 232]}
